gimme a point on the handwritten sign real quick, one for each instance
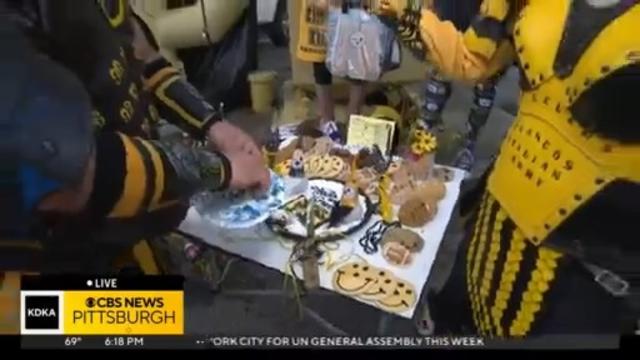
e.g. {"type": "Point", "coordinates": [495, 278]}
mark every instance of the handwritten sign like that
{"type": "Point", "coordinates": [367, 131]}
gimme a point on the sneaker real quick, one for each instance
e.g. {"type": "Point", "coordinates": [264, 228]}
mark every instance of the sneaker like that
{"type": "Point", "coordinates": [330, 129]}
{"type": "Point", "coordinates": [423, 322]}
{"type": "Point", "coordinates": [465, 159]}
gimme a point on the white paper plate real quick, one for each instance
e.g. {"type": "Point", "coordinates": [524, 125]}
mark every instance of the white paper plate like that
{"type": "Point", "coordinates": [240, 211]}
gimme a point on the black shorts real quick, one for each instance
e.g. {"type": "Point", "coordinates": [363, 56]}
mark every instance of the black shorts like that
{"type": "Point", "coordinates": [323, 76]}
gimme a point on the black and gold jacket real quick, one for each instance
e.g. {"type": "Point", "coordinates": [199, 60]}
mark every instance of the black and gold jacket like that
{"type": "Point", "coordinates": [564, 189]}
{"type": "Point", "coordinates": [142, 185]}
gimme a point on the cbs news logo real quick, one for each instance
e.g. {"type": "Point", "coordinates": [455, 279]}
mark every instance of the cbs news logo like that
{"type": "Point", "coordinates": [103, 312]}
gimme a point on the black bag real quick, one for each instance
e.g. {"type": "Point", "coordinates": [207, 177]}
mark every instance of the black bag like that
{"type": "Point", "coordinates": [220, 72]}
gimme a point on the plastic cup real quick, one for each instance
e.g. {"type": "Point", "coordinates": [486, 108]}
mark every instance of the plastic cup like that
{"type": "Point", "coordinates": [262, 84]}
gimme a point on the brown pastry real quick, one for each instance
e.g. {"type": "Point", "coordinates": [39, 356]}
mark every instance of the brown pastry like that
{"type": "Point", "coordinates": [402, 190]}
{"type": "Point", "coordinates": [432, 190]}
{"type": "Point", "coordinates": [407, 238]}
{"type": "Point", "coordinates": [307, 143]}
{"type": "Point", "coordinates": [416, 212]}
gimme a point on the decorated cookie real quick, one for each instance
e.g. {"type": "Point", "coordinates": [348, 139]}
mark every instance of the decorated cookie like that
{"type": "Point", "coordinates": [344, 154]}
{"type": "Point", "coordinates": [443, 174]}
{"type": "Point", "coordinates": [283, 168]}
{"type": "Point", "coordinates": [286, 152]}
{"type": "Point", "coordinates": [407, 238]}
{"type": "Point", "coordinates": [371, 158]}
{"type": "Point", "coordinates": [416, 212]}
{"type": "Point", "coordinates": [297, 164]}
{"type": "Point", "coordinates": [365, 177]}
{"type": "Point", "coordinates": [321, 147]}
{"type": "Point", "coordinates": [307, 143]}
{"type": "Point", "coordinates": [326, 167]}
{"type": "Point", "coordinates": [397, 254]}
{"type": "Point", "coordinates": [383, 288]}
{"type": "Point", "coordinates": [402, 298]}
{"type": "Point", "coordinates": [354, 278]}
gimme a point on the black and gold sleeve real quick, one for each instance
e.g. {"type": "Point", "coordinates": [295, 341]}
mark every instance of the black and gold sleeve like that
{"type": "Point", "coordinates": [473, 55]}
{"type": "Point", "coordinates": [177, 101]}
{"type": "Point", "coordinates": [136, 176]}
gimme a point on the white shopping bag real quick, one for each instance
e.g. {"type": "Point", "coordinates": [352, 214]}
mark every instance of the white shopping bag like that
{"type": "Point", "coordinates": [354, 45]}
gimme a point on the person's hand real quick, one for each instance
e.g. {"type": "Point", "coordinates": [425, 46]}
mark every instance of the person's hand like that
{"type": "Point", "coordinates": [228, 138]}
{"type": "Point", "coordinates": [142, 48]}
{"type": "Point", "coordinates": [248, 172]}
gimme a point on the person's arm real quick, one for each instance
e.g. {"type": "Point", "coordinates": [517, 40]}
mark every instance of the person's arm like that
{"type": "Point", "coordinates": [178, 102]}
{"type": "Point", "coordinates": [473, 55]}
{"type": "Point", "coordinates": [134, 176]}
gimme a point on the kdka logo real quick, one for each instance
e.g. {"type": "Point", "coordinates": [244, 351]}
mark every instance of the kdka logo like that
{"type": "Point", "coordinates": [41, 314]}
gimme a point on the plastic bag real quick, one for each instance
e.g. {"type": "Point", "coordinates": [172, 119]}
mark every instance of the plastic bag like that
{"type": "Point", "coordinates": [354, 46]}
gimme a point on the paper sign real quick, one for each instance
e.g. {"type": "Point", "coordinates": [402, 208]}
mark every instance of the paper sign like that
{"type": "Point", "coordinates": [367, 131]}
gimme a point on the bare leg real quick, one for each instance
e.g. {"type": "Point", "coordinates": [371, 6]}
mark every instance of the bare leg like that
{"type": "Point", "coordinates": [325, 103]}
{"type": "Point", "coordinates": [356, 98]}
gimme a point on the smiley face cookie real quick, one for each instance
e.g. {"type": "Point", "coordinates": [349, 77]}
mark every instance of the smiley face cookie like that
{"type": "Point", "coordinates": [354, 278]}
{"type": "Point", "coordinates": [402, 298]}
{"type": "Point", "coordinates": [382, 289]}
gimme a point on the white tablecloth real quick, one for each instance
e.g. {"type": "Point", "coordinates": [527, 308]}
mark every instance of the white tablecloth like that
{"type": "Point", "coordinates": [261, 245]}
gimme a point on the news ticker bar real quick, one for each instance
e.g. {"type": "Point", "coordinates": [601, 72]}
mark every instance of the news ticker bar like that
{"type": "Point", "coordinates": [595, 342]}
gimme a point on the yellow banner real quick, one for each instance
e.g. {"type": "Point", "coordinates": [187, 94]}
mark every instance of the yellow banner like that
{"type": "Point", "coordinates": [312, 36]}
{"type": "Point", "coordinates": [123, 312]}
